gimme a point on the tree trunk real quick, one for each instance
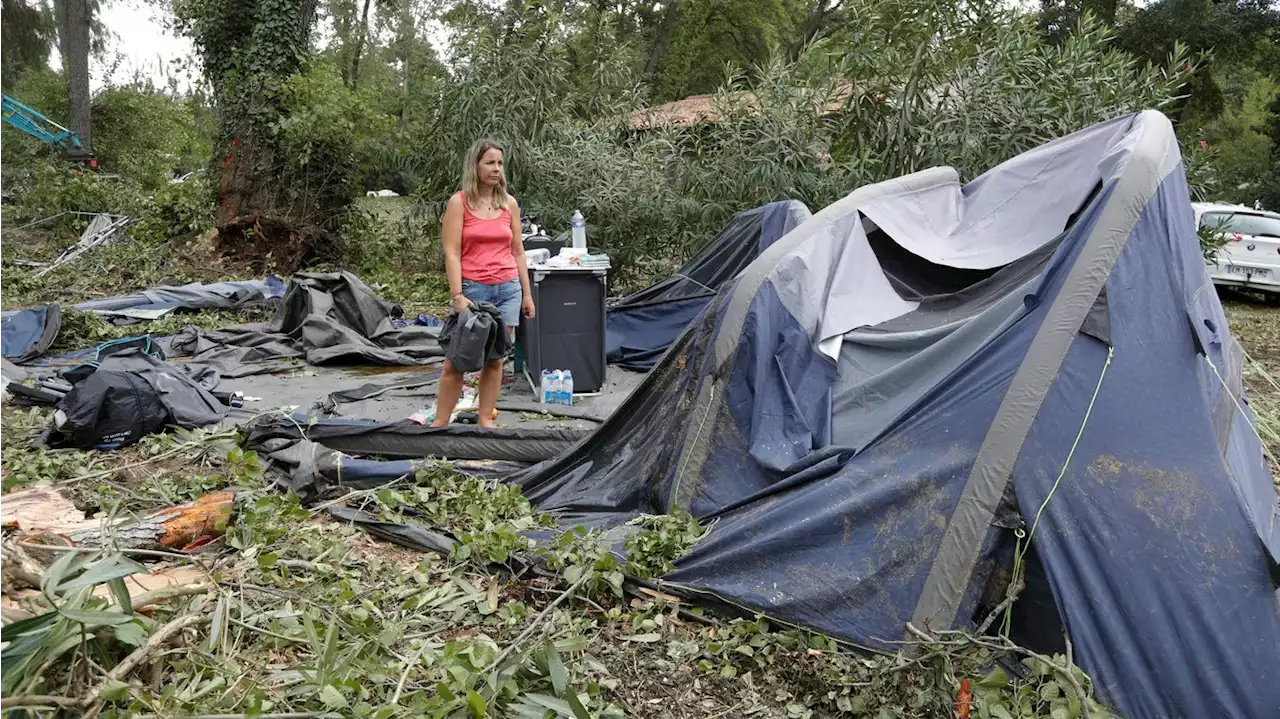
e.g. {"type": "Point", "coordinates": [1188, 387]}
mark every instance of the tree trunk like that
{"type": "Point", "coordinates": [814, 23]}
{"type": "Point", "coordinates": [73, 42]}
{"type": "Point", "coordinates": [269, 207]}
{"type": "Point", "coordinates": [361, 33]}
{"type": "Point", "coordinates": [662, 40]}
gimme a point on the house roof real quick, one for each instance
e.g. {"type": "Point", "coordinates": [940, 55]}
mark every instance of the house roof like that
{"type": "Point", "coordinates": [698, 109]}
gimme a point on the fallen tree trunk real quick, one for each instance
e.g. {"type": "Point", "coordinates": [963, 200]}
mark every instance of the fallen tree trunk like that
{"type": "Point", "coordinates": [182, 528]}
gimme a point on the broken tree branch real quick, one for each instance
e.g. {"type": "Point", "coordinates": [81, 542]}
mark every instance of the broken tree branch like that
{"type": "Point", "coordinates": [537, 621]}
{"type": "Point", "coordinates": [36, 700]}
{"type": "Point", "coordinates": [139, 655]}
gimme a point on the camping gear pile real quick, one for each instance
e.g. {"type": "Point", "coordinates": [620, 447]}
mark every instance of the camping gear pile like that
{"type": "Point", "coordinates": [323, 318]}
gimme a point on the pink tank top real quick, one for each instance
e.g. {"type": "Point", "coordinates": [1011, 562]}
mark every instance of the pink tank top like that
{"type": "Point", "coordinates": [486, 248]}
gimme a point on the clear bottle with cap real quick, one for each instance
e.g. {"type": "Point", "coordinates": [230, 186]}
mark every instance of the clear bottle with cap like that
{"type": "Point", "coordinates": [566, 388]}
{"type": "Point", "coordinates": [578, 230]}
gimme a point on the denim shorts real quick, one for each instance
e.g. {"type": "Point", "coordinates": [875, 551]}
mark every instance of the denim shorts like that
{"type": "Point", "coordinates": [506, 296]}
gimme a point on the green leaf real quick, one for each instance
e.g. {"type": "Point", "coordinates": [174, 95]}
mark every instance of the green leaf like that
{"type": "Point", "coordinates": [997, 679]}
{"type": "Point", "coordinates": [579, 711]}
{"type": "Point", "coordinates": [1050, 691]}
{"type": "Point", "coordinates": [559, 706]}
{"type": "Point", "coordinates": [88, 616]}
{"type": "Point", "coordinates": [555, 667]}
{"type": "Point", "coordinates": [1059, 713]}
{"type": "Point", "coordinates": [121, 593]}
{"type": "Point", "coordinates": [115, 567]}
{"type": "Point", "coordinates": [476, 704]}
{"type": "Point", "coordinates": [114, 690]}
{"type": "Point", "coordinates": [1000, 712]}
{"type": "Point", "coordinates": [571, 644]}
{"type": "Point", "coordinates": [132, 633]}
{"type": "Point", "coordinates": [27, 626]}
{"type": "Point", "coordinates": [60, 569]}
{"type": "Point", "coordinates": [333, 698]}
{"type": "Point", "coordinates": [643, 638]}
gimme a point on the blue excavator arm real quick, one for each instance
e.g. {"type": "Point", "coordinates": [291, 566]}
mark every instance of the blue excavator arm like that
{"type": "Point", "coordinates": [43, 129]}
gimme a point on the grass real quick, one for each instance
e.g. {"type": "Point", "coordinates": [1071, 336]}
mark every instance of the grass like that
{"type": "Point", "coordinates": [1256, 324]}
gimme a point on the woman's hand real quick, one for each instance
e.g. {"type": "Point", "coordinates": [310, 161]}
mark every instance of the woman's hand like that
{"type": "Point", "coordinates": [460, 302]}
{"type": "Point", "coordinates": [527, 307]}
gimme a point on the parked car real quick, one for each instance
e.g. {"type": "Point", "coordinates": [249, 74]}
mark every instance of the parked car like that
{"type": "Point", "coordinates": [1251, 257]}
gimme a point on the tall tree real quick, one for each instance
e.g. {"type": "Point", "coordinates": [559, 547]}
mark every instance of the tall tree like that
{"type": "Point", "coordinates": [29, 31]}
{"type": "Point", "coordinates": [662, 40]}
{"type": "Point", "coordinates": [251, 51]}
{"type": "Point", "coordinates": [1057, 18]}
{"type": "Point", "coordinates": [1230, 29]}
{"type": "Point", "coordinates": [818, 16]}
{"type": "Point", "coordinates": [75, 18]}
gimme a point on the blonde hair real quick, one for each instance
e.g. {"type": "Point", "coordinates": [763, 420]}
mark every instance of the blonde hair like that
{"type": "Point", "coordinates": [471, 176]}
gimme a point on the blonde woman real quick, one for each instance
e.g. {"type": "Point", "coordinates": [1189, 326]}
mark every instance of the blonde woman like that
{"type": "Point", "coordinates": [484, 261]}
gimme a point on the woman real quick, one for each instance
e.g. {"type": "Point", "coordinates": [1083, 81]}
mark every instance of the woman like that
{"type": "Point", "coordinates": [484, 261]}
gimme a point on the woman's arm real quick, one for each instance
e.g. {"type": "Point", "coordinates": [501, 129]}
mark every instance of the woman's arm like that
{"type": "Point", "coordinates": [452, 240]}
{"type": "Point", "coordinates": [517, 249]}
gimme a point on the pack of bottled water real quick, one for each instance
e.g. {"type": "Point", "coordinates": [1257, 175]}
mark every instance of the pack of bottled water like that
{"type": "Point", "coordinates": [557, 386]}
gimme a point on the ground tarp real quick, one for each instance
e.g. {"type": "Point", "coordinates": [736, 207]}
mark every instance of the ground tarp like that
{"type": "Point", "coordinates": [323, 318]}
{"type": "Point", "coordinates": [161, 300]}
{"type": "Point", "coordinates": [878, 401]}
{"type": "Point", "coordinates": [641, 326]}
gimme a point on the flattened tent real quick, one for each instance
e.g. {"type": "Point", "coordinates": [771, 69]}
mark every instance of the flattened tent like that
{"type": "Point", "coordinates": [641, 326]}
{"type": "Point", "coordinates": [27, 334]}
{"type": "Point", "coordinates": [889, 391]}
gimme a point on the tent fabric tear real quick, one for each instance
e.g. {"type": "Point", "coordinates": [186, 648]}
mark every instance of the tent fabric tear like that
{"type": "Point", "coordinates": [873, 403]}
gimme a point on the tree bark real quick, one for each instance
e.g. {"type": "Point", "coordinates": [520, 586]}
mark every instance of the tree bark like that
{"type": "Point", "coordinates": [814, 23]}
{"type": "Point", "coordinates": [362, 32]}
{"type": "Point", "coordinates": [663, 39]}
{"type": "Point", "coordinates": [74, 18]}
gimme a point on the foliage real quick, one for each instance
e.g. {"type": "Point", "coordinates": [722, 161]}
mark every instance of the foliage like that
{"type": "Point", "coordinates": [1233, 31]}
{"type": "Point", "coordinates": [931, 85]}
{"type": "Point", "coordinates": [287, 141]}
{"type": "Point", "coordinates": [29, 32]}
{"type": "Point", "coordinates": [653, 551]}
{"type": "Point", "coordinates": [138, 133]}
{"type": "Point", "coordinates": [1243, 150]}
{"type": "Point", "coordinates": [712, 38]}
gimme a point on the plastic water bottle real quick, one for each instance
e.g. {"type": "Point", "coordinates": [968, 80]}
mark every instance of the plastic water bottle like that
{"type": "Point", "coordinates": [578, 230]}
{"type": "Point", "coordinates": [566, 388]}
{"type": "Point", "coordinates": [546, 390]}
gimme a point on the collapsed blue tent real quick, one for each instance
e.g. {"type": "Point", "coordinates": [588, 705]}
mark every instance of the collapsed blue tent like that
{"type": "Point", "coordinates": [874, 407]}
{"type": "Point", "coordinates": [26, 334]}
{"type": "Point", "coordinates": [641, 326]}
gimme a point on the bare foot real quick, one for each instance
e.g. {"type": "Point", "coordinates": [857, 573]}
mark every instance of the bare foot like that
{"type": "Point", "coordinates": [437, 424]}
{"type": "Point", "coordinates": [487, 425]}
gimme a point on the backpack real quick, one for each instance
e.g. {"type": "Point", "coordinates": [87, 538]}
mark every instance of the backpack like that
{"type": "Point", "coordinates": [130, 395]}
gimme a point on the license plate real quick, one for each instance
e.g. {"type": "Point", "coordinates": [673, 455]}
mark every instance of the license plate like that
{"type": "Point", "coordinates": [1253, 272]}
